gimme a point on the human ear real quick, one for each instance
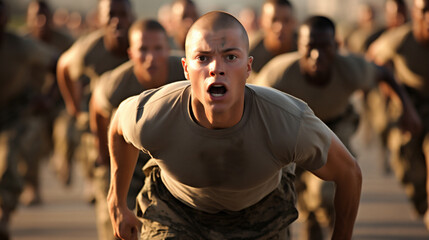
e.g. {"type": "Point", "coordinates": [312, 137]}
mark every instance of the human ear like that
{"type": "Point", "coordinates": [185, 68]}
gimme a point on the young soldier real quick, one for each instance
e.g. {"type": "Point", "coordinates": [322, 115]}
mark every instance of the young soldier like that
{"type": "Point", "coordinates": [326, 80]}
{"type": "Point", "coordinates": [151, 66]}
{"type": "Point", "coordinates": [219, 149]}
{"type": "Point", "coordinates": [79, 71]}
{"type": "Point", "coordinates": [406, 49]}
{"type": "Point", "coordinates": [278, 25]}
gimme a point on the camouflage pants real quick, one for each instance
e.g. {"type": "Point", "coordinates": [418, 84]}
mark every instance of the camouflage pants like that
{"type": "Point", "coordinates": [315, 196]}
{"type": "Point", "coordinates": [10, 154]}
{"type": "Point", "coordinates": [165, 217]}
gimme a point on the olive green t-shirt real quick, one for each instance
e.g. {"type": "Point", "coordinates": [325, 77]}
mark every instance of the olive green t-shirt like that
{"type": "Point", "coordinates": [19, 57]}
{"type": "Point", "coordinates": [90, 58]}
{"type": "Point", "coordinates": [224, 169]}
{"type": "Point", "coordinates": [118, 84]}
{"type": "Point", "coordinates": [349, 73]}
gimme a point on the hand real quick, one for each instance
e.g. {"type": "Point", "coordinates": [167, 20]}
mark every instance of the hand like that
{"type": "Point", "coordinates": [125, 224]}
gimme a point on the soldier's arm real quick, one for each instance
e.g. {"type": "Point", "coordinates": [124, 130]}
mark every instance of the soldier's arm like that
{"type": "Point", "coordinates": [123, 158]}
{"type": "Point", "coordinates": [342, 169]}
{"type": "Point", "coordinates": [99, 122]}
{"type": "Point", "coordinates": [410, 119]}
{"type": "Point", "coordinates": [70, 89]}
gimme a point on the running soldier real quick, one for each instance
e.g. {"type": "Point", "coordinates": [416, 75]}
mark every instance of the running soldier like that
{"type": "Point", "coordinates": [221, 149]}
{"type": "Point", "coordinates": [79, 71]}
{"type": "Point", "coordinates": [326, 80]}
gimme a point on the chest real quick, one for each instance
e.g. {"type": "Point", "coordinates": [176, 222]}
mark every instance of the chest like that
{"type": "Point", "coordinates": [234, 161]}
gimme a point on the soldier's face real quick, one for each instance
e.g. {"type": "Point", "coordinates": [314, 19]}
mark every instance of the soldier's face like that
{"type": "Point", "coordinates": [421, 18]}
{"type": "Point", "coordinates": [116, 16]}
{"type": "Point", "coordinates": [38, 18]}
{"type": "Point", "coordinates": [149, 51]}
{"type": "Point", "coordinates": [317, 49]}
{"type": "Point", "coordinates": [279, 26]}
{"type": "Point", "coordinates": [217, 64]}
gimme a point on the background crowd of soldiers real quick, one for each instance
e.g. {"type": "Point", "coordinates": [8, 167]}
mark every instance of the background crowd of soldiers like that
{"type": "Point", "coordinates": [60, 83]}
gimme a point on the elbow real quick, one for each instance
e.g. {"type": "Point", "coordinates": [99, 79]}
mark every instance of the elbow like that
{"type": "Point", "coordinates": [356, 173]}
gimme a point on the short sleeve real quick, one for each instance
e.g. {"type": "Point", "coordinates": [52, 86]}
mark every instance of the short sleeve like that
{"type": "Point", "coordinates": [313, 142]}
{"type": "Point", "coordinates": [75, 57]}
{"type": "Point", "coordinates": [127, 119]}
{"type": "Point", "coordinates": [101, 93]}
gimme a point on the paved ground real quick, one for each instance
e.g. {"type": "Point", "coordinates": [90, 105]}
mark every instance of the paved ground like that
{"type": "Point", "coordinates": [384, 213]}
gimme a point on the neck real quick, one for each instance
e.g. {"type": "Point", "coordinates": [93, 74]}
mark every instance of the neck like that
{"type": "Point", "coordinates": [207, 118]}
{"type": "Point", "coordinates": [422, 40]}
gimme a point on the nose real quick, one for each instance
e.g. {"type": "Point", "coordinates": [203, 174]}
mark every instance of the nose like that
{"type": "Point", "coordinates": [277, 27]}
{"type": "Point", "coordinates": [114, 21]}
{"type": "Point", "coordinates": [216, 68]}
{"type": "Point", "coordinates": [314, 54]}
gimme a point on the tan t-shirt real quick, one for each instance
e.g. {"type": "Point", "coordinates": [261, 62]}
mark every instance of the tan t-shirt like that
{"type": "Point", "coordinates": [328, 102]}
{"type": "Point", "coordinates": [121, 83]}
{"type": "Point", "coordinates": [224, 169]}
{"type": "Point", "coordinates": [90, 58]}
{"type": "Point", "coordinates": [408, 56]}
{"type": "Point", "coordinates": [18, 56]}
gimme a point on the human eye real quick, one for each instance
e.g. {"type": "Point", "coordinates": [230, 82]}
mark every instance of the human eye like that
{"type": "Point", "coordinates": [231, 57]}
{"type": "Point", "coordinates": [202, 58]}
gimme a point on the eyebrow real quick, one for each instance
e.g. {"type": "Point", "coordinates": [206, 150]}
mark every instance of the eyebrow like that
{"type": "Point", "coordinates": [223, 51]}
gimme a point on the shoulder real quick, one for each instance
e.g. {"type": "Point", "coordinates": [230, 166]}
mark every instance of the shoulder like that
{"type": "Point", "coordinates": [278, 101]}
{"type": "Point", "coordinates": [385, 47]}
{"type": "Point", "coordinates": [167, 93]}
{"type": "Point", "coordinates": [283, 61]}
{"type": "Point", "coordinates": [396, 36]}
{"type": "Point", "coordinates": [87, 42]}
{"type": "Point", "coordinates": [353, 64]}
{"type": "Point", "coordinates": [123, 70]}
{"type": "Point", "coordinates": [274, 71]}
{"type": "Point", "coordinates": [118, 74]}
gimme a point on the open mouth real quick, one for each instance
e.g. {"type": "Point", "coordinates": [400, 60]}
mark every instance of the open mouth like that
{"type": "Point", "coordinates": [217, 90]}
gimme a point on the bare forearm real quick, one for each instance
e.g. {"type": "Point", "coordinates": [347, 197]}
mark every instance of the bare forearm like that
{"type": "Point", "coordinates": [342, 168]}
{"type": "Point", "coordinates": [68, 88]}
{"type": "Point", "coordinates": [123, 158]}
{"type": "Point", "coordinates": [99, 126]}
{"type": "Point", "coordinates": [347, 199]}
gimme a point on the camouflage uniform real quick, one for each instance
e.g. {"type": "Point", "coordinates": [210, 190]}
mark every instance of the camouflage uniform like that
{"type": "Point", "coordinates": [409, 59]}
{"type": "Point", "coordinates": [89, 59]}
{"type": "Point", "coordinates": [331, 103]}
{"type": "Point", "coordinates": [18, 94]}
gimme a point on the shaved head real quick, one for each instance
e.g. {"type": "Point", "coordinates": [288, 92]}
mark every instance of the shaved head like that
{"type": "Point", "coordinates": [215, 21]}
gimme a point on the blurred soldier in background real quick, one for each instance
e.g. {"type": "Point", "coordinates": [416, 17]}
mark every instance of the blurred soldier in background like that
{"type": "Point", "coordinates": [278, 25]}
{"type": "Point", "coordinates": [326, 80]}
{"type": "Point", "coordinates": [20, 103]}
{"type": "Point", "coordinates": [366, 26]}
{"type": "Point", "coordinates": [40, 27]}
{"type": "Point", "coordinates": [79, 70]}
{"type": "Point", "coordinates": [374, 107]}
{"type": "Point", "coordinates": [250, 20]}
{"type": "Point", "coordinates": [150, 67]}
{"type": "Point", "coordinates": [406, 49]}
{"type": "Point", "coordinates": [183, 14]}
